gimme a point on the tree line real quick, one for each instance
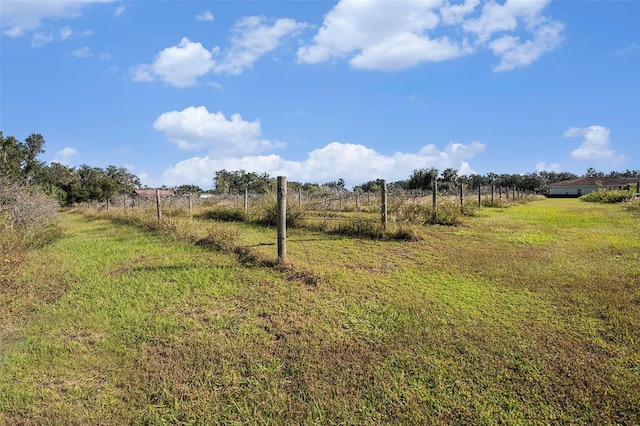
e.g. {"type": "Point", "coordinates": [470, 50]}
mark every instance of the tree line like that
{"type": "Point", "coordinates": [420, 179]}
{"type": "Point", "coordinates": [69, 185]}
{"type": "Point", "coordinates": [19, 163]}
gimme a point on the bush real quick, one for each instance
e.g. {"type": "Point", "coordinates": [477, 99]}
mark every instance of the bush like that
{"type": "Point", "coordinates": [26, 208]}
{"type": "Point", "coordinates": [27, 221]}
{"type": "Point", "coordinates": [608, 196]}
{"type": "Point", "coordinates": [358, 227]}
{"type": "Point", "coordinates": [421, 211]}
{"type": "Point", "coordinates": [267, 215]}
{"type": "Point", "coordinates": [224, 214]}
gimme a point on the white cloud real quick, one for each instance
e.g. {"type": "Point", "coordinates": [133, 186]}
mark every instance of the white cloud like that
{"type": "Point", "coordinates": [40, 39]}
{"type": "Point", "coordinates": [515, 54]}
{"type": "Point", "coordinates": [595, 145]}
{"type": "Point", "coordinates": [454, 14]}
{"type": "Point", "coordinates": [392, 36]}
{"type": "Point", "coordinates": [368, 29]}
{"type": "Point", "coordinates": [64, 155]}
{"type": "Point", "coordinates": [205, 16]}
{"type": "Point", "coordinates": [184, 64]}
{"type": "Point", "coordinates": [20, 17]}
{"type": "Point", "coordinates": [65, 33]}
{"type": "Point", "coordinates": [195, 128]}
{"type": "Point", "coordinates": [84, 52]}
{"type": "Point", "coordinates": [631, 49]}
{"type": "Point", "coordinates": [252, 38]}
{"type": "Point", "coordinates": [354, 163]}
{"type": "Point", "coordinates": [551, 167]}
{"type": "Point", "coordinates": [119, 11]}
{"type": "Point", "coordinates": [179, 65]}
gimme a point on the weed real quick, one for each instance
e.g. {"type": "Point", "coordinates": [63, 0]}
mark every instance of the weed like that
{"type": "Point", "coordinates": [224, 214]}
{"type": "Point", "coordinates": [609, 196]}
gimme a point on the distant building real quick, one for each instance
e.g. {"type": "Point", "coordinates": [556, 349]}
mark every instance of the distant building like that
{"type": "Point", "coordinates": [585, 185]}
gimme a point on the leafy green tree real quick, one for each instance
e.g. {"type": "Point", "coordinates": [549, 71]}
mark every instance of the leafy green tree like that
{"type": "Point", "coordinates": [239, 180]}
{"type": "Point", "coordinates": [18, 160]}
{"type": "Point", "coordinates": [449, 178]}
{"type": "Point", "coordinates": [370, 186]}
{"type": "Point", "coordinates": [593, 173]}
{"type": "Point", "coordinates": [336, 185]}
{"type": "Point", "coordinates": [58, 180]}
{"type": "Point", "coordinates": [422, 179]}
{"type": "Point", "coordinates": [187, 189]}
{"type": "Point", "coordinates": [311, 187]}
{"type": "Point", "coordinates": [123, 182]}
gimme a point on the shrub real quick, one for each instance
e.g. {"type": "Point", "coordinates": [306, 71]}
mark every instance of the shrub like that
{"type": "Point", "coordinates": [222, 238]}
{"type": "Point", "coordinates": [359, 227]}
{"type": "Point", "coordinates": [267, 215]}
{"type": "Point", "coordinates": [26, 208]}
{"type": "Point", "coordinates": [224, 214]}
{"type": "Point", "coordinates": [608, 196]}
{"type": "Point", "coordinates": [27, 221]}
{"type": "Point", "coordinates": [633, 206]}
{"type": "Point", "coordinates": [421, 211]}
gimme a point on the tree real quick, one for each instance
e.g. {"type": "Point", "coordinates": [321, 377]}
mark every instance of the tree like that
{"type": "Point", "coordinates": [370, 186]}
{"type": "Point", "coordinates": [422, 179]}
{"type": "Point", "coordinates": [123, 181]}
{"type": "Point", "coordinates": [18, 160]}
{"type": "Point", "coordinates": [593, 173]}
{"type": "Point", "coordinates": [187, 189]}
{"type": "Point", "coordinates": [449, 178]}
{"type": "Point", "coordinates": [58, 180]}
{"type": "Point", "coordinates": [239, 180]}
{"type": "Point", "coordinates": [337, 186]}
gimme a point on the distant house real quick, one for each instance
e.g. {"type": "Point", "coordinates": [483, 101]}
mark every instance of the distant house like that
{"type": "Point", "coordinates": [151, 193]}
{"type": "Point", "coordinates": [585, 185]}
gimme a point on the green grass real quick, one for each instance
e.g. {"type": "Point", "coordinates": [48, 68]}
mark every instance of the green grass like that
{"type": "Point", "coordinates": [527, 315]}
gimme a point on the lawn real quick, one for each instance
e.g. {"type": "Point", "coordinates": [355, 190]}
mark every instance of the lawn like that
{"type": "Point", "coordinates": [522, 315]}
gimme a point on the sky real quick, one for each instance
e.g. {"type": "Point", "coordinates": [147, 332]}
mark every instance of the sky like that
{"type": "Point", "coordinates": [322, 90]}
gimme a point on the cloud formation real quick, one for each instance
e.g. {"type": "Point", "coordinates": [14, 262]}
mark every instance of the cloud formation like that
{"type": "Point", "coordinates": [64, 155]}
{"type": "Point", "coordinates": [182, 65]}
{"type": "Point", "coordinates": [391, 36]}
{"type": "Point", "coordinates": [195, 128]}
{"type": "Point", "coordinates": [21, 17]}
{"type": "Point", "coordinates": [205, 16]}
{"type": "Point", "coordinates": [354, 163]}
{"type": "Point", "coordinates": [179, 65]}
{"type": "Point", "coordinates": [595, 145]}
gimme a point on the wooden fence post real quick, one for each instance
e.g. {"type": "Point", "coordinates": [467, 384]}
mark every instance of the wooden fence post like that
{"type": "Point", "coordinates": [493, 190]}
{"type": "Point", "coordinates": [158, 204]}
{"type": "Point", "coordinates": [300, 197]}
{"type": "Point", "coordinates": [435, 198]}
{"type": "Point", "coordinates": [246, 200]}
{"type": "Point", "coordinates": [383, 204]}
{"type": "Point", "coordinates": [282, 220]}
{"type": "Point", "coordinates": [190, 204]}
{"type": "Point", "coordinates": [461, 199]}
{"type": "Point", "coordinates": [107, 204]}
{"type": "Point", "coordinates": [479, 196]}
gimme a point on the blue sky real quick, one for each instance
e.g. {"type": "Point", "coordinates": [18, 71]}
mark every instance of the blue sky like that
{"type": "Point", "coordinates": [319, 90]}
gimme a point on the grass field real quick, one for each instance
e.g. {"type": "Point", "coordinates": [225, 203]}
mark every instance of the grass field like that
{"type": "Point", "coordinates": [522, 315]}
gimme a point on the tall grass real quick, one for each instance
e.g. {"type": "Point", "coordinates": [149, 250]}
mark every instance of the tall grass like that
{"type": "Point", "coordinates": [609, 196]}
{"type": "Point", "coordinates": [526, 315]}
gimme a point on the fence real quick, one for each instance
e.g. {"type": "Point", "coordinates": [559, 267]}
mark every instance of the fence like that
{"type": "Point", "coordinates": [333, 207]}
